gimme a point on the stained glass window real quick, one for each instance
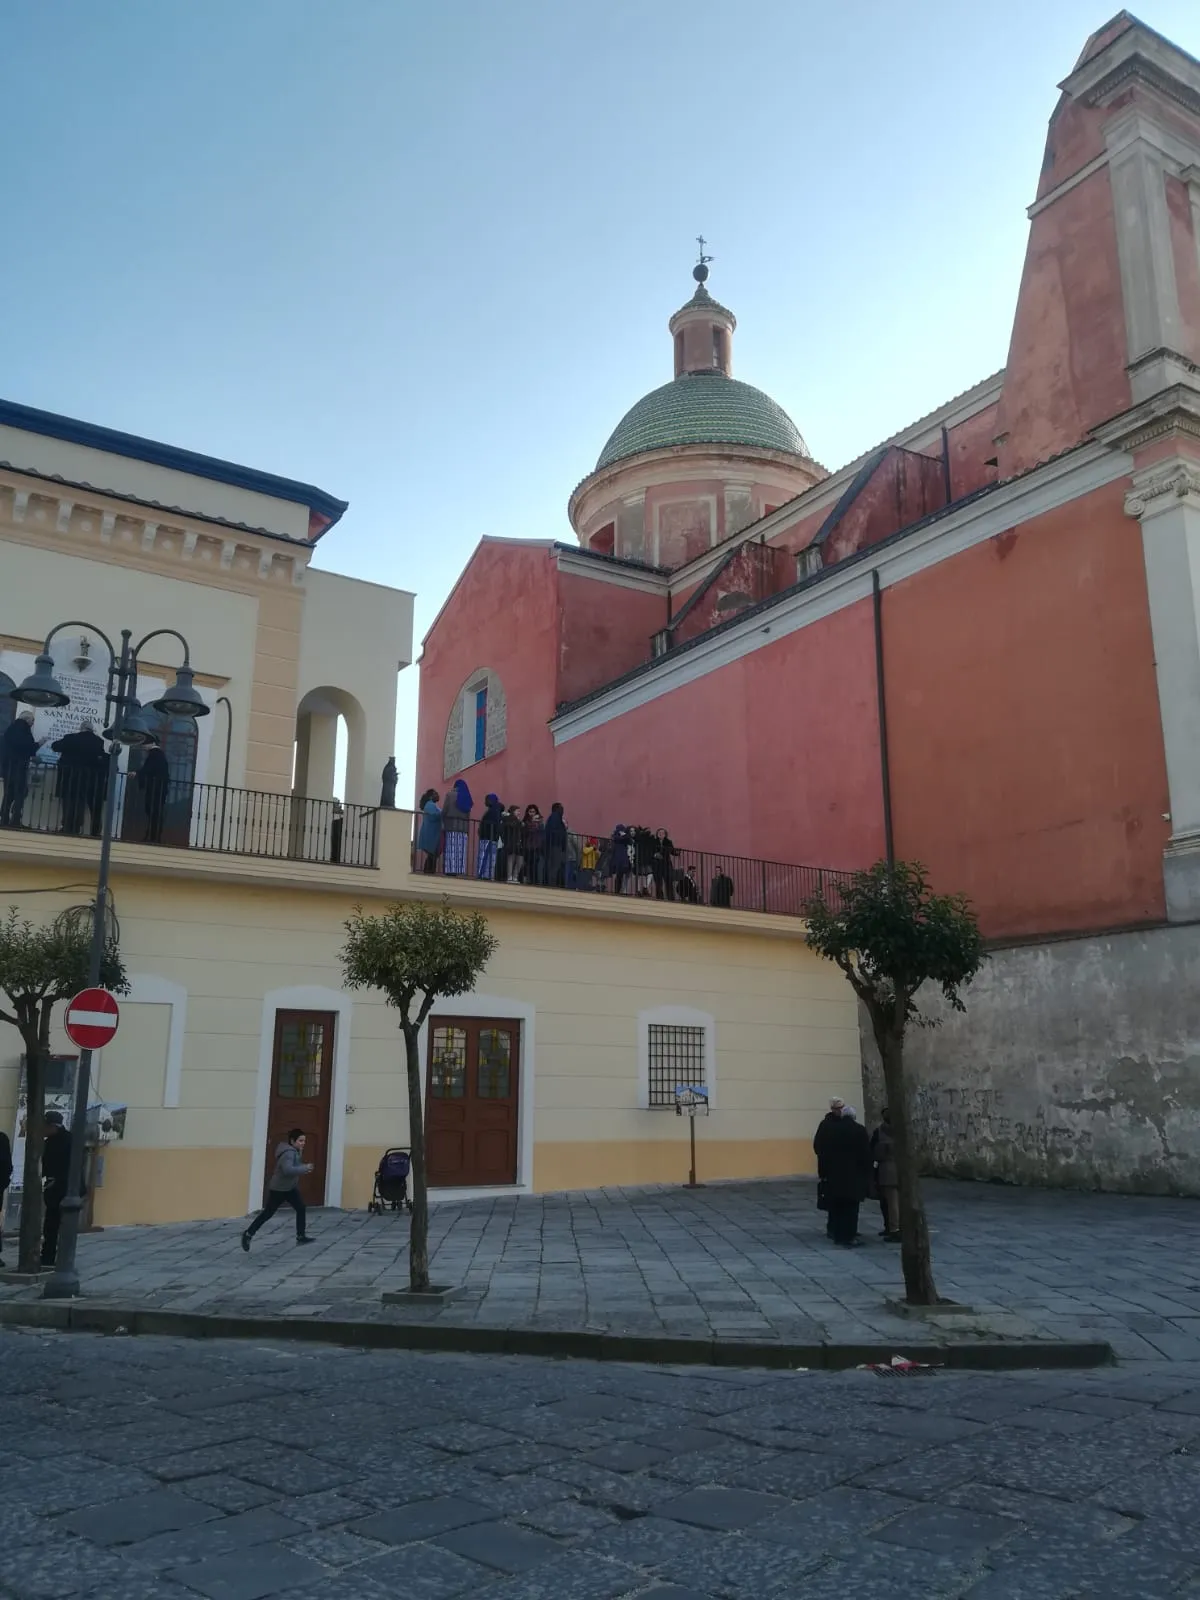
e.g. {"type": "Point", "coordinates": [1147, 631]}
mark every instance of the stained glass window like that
{"type": "Point", "coordinates": [495, 1064]}
{"type": "Point", "coordinates": [448, 1063]}
{"type": "Point", "coordinates": [301, 1056]}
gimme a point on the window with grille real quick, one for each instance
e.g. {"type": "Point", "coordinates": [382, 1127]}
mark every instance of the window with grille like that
{"type": "Point", "coordinates": [676, 1058]}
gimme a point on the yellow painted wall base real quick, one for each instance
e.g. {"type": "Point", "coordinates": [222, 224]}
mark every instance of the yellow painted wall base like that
{"type": "Point", "coordinates": [171, 1185]}
{"type": "Point", "coordinates": [612, 1164]}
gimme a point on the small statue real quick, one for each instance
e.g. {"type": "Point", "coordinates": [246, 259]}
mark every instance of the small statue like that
{"type": "Point", "coordinates": [387, 800]}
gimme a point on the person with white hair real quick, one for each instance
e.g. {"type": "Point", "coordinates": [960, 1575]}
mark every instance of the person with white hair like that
{"type": "Point", "coordinates": [844, 1162]}
{"type": "Point", "coordinates": [17, 749]}
{"type": "Point", "coordinates": [820, 1144]}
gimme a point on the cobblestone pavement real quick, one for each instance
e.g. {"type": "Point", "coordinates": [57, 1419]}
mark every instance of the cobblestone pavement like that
{"type": "Point", "coordinates": [737, 1261]}
{"type": "Point", "coordinates": [161, 1469]}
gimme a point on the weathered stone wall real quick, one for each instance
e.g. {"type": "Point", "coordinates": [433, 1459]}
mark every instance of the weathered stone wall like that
{"type": "Point", "coordinates": [1076, 1064]}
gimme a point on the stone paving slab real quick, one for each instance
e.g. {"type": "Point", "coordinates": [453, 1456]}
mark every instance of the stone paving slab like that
{"type": "Point", "coordinates": [728, 1263]}
{"type": "Point", "coordinates": [368, 1475]}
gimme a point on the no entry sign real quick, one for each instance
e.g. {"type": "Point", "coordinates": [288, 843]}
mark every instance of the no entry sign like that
{"type": "Point", "coordinates": [92, 1018]}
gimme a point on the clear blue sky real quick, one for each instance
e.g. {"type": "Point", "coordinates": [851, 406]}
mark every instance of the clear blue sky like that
{"type": "Point", "coordinates": [424, 255]}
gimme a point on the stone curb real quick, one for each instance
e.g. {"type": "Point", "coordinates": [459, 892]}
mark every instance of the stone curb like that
{"type": "Point", "coordinates": [1017, 1355]}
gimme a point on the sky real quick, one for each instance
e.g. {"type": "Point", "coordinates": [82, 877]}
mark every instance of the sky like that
{"type": "Point", "coordinates": [424, 255]}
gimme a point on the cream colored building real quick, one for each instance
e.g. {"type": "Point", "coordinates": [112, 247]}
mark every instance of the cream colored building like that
{"type": "Point", "coordinates": [558, 1072]}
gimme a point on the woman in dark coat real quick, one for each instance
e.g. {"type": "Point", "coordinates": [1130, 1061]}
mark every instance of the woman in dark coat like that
{"type": "Point", "coordinates": [663, 866]}
{"type": "Point", "coordinates": [843, 1152]}
{"type": "Point", "coordinates": [511, 861]}
{"type": "Point", "coordinates": [618, 858]}
{"type": "Point", "coordinates": [535, 845]}
{"type": "Point", "coordinates": [490, 826]}
{"type": "Point", "coordinates": [153, 779]}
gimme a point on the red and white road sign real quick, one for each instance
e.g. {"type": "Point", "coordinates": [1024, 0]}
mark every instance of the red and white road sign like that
{"type": "Point", "coordinates": [92, 1018]}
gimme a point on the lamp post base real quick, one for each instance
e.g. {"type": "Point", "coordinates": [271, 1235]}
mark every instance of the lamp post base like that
{"type": "Point", "coordinates": [63, 1282]}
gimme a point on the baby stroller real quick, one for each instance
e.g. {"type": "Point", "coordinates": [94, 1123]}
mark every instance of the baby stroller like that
{"type": "Point", "coordinates": [391, 1183]}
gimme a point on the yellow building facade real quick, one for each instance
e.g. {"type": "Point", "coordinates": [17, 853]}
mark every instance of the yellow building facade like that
{"type": "Point", "coordinates": [558, 1072]}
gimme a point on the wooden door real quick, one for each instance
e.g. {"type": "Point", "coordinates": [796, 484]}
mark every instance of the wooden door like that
{"type": "Point", "coordinates": [471, 1100]}
{"type": "Point", "coordinates": [301, 1084]}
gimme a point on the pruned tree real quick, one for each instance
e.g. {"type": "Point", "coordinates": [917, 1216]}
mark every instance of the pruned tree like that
{"type": "Point", "coordinates": [416, 953]}
{"type": "Point", "coordinates": [889, 933]}
{"type": "Point", "coordinates": [41, 965]}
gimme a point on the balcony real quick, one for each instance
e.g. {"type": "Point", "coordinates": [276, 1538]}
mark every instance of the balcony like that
{"type": "Point", "coordinates": [589, 866]}
{"type": "Point", "coordinates": [207, 817]}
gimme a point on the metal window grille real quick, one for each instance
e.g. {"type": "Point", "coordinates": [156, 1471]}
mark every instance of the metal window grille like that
{"type": "Point", "coordinates": [676, 1057]}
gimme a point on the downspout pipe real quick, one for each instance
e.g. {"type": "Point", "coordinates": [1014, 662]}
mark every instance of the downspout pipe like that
{"type": "Point", "coordinates": [885, 771]}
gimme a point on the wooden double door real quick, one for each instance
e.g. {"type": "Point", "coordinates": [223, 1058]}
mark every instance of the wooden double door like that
{"type": "Point", "coordinates": [471, 1100]}
{"type": "Point", "coordinates": [301, 1090]}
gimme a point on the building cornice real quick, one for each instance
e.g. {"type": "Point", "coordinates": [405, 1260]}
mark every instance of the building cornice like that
{"type": "Point", "coordinates": [947, 533]}
{"type": "Point", "coordinates": [1139, 55]}
{"type": "Point", "coordinates": [1171, 414]}
{"type": "Point", "coordinates": [45, 512]}
{"type": "Point", "coordinates": [580, 564]}
{"type": "Point", "coordinates": [609, 479]}
{"type": "Point", "coordinates": [1161, 486]}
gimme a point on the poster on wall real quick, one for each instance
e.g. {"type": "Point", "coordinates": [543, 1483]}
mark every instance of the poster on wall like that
{"type": "Point", "coordinates": [60, 1096]}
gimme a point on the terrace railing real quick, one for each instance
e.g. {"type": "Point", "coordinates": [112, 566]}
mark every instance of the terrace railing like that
{"type": "Point", "coordinates": [205, 816]}
{"type": "Point", "coordinates": [589, 865]}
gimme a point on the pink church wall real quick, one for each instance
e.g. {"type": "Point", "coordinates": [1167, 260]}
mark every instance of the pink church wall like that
{"type": "Point", "coordinates": [775, 755]}
{"type": "Point", "coordinates": [972, 445]}
{"type": "Point", "coordinates": [503, 615]}
{"type": "Point", "coordinates": [605, 632]}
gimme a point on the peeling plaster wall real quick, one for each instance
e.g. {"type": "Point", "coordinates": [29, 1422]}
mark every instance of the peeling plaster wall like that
{"type": "Point", "coordinates": [1076, 1064]}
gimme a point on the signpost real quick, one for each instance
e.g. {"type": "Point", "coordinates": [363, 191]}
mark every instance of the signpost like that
{"type": "Point", "coordinates": [692, 1098]}
{"type": "Point", "coordinates": [92, 1019]}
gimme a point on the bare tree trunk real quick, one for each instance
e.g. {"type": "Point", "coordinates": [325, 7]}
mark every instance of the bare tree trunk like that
{"type": "Point", "coordinates": [36, 1039]}
{"type": "Point", "coordinates": [418, 1235]}
{"type": "Point", "coordinates": [919, 1287]}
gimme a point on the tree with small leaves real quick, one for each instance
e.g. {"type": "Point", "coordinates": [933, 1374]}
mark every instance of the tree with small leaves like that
{"type": "Point", "coordinates": [415, 954]}
{"type": "Point", "coordinates": [39, 967]}
{"type": "Point", "coordinates": [889, 933]}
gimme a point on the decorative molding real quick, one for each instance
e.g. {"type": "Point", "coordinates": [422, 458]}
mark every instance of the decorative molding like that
{"type": "Point", "coordinates": [1172, 413]}
{"type": "Point", "coordinates": [1157, 487]}
{"type": "Point", "coordinates": [87, 521]}
{"type": "Point", "coordinates": [147, 988]}
{"type": "Point", "coordinates": [581, 566]}
{"type": "Point", "coordinates": [1136, 55]}
{"type": "Point", "coordinates": [1067, 185]}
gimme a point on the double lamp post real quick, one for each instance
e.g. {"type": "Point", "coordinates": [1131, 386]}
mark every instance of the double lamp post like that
{"type": "Point", "coordinates": [128, 725]}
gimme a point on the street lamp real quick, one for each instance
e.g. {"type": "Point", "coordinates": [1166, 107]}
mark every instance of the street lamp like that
{"type": "Point", "coordinates": [128, 725]}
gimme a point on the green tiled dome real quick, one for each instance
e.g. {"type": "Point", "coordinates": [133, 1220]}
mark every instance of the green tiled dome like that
{"type": "Point", "coordinates": [703, 408]}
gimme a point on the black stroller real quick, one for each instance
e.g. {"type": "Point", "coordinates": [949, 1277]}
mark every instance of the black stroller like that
{"type": "Point", "coordinates": [391, 1183]}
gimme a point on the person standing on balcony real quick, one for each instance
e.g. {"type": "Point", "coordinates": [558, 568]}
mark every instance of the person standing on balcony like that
{"type": "Point", "coordinates": [153, 778]}
{"type": "Point", "coordinates": [556, 846]}
{"type": "Point", "coordinates": [535, 845]}
{"type": "Point", "coordinates": [81, 760]}
{"type": "Point", "coordinates": [662, 865]}
{"type": "Point", "coordinates": [456, 822]}
{"type": "Point", "coordinates": [429, 836]}
{"type": "Point", "coordinates": [618, 858]}
{"type": "Point", "coordinates": [689, 889]}
{"type": "Point", "coordinates": [490, 827]}
{"type": "Point", "coordinates": [511, 860]}
{"type": "Point", "coordinates": [721, 892]}
{"type": "Point", "coordinates": [17, 749]}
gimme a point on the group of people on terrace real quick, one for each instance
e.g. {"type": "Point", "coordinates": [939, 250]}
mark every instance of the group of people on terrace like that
{"type": "Point", "coordinates": [509, 845]}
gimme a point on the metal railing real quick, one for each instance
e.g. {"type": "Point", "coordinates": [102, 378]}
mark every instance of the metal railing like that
{"type": "Point", "coordinates": [203, 816]}
{"type": "Point", "coordinates": [590, 865]}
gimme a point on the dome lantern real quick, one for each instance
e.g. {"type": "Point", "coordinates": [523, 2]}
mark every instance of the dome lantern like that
{"type": "Point", "coordinates": [703, 329]}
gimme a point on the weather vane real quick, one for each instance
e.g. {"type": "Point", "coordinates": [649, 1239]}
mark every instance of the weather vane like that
{"type": "Point", "coordinates": [700, 270]}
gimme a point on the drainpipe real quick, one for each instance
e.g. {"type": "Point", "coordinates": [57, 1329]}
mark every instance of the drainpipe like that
{"type": "Point", "coordinates": [946, 463]}
{"type": "Point", "coordinates": [885, 771]}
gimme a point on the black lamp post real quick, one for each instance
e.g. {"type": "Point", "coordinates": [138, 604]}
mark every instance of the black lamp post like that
{"type": "Point", "coordinates": [127, 725]}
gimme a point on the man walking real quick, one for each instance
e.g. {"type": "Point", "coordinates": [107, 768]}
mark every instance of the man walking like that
{"type": "Point", "coordinates": [56, 1163]}
{"type": "Point", "coordinates": [17, 749]}
{"type": "Point", "coordinates": [284, 1187]}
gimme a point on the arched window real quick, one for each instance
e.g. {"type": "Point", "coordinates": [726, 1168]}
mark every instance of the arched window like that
{"type": "Point", "coordinates": [478, 723]}
{"type": "Point", "coordinates": [178, 738]}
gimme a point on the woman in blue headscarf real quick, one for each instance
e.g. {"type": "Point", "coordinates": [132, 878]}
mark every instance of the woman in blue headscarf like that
{"type": "Point", "coordinates": [456, 820]}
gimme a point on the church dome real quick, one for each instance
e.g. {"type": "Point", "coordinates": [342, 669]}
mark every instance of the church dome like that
{"type": "Point", "coordinates": [704, 407]}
